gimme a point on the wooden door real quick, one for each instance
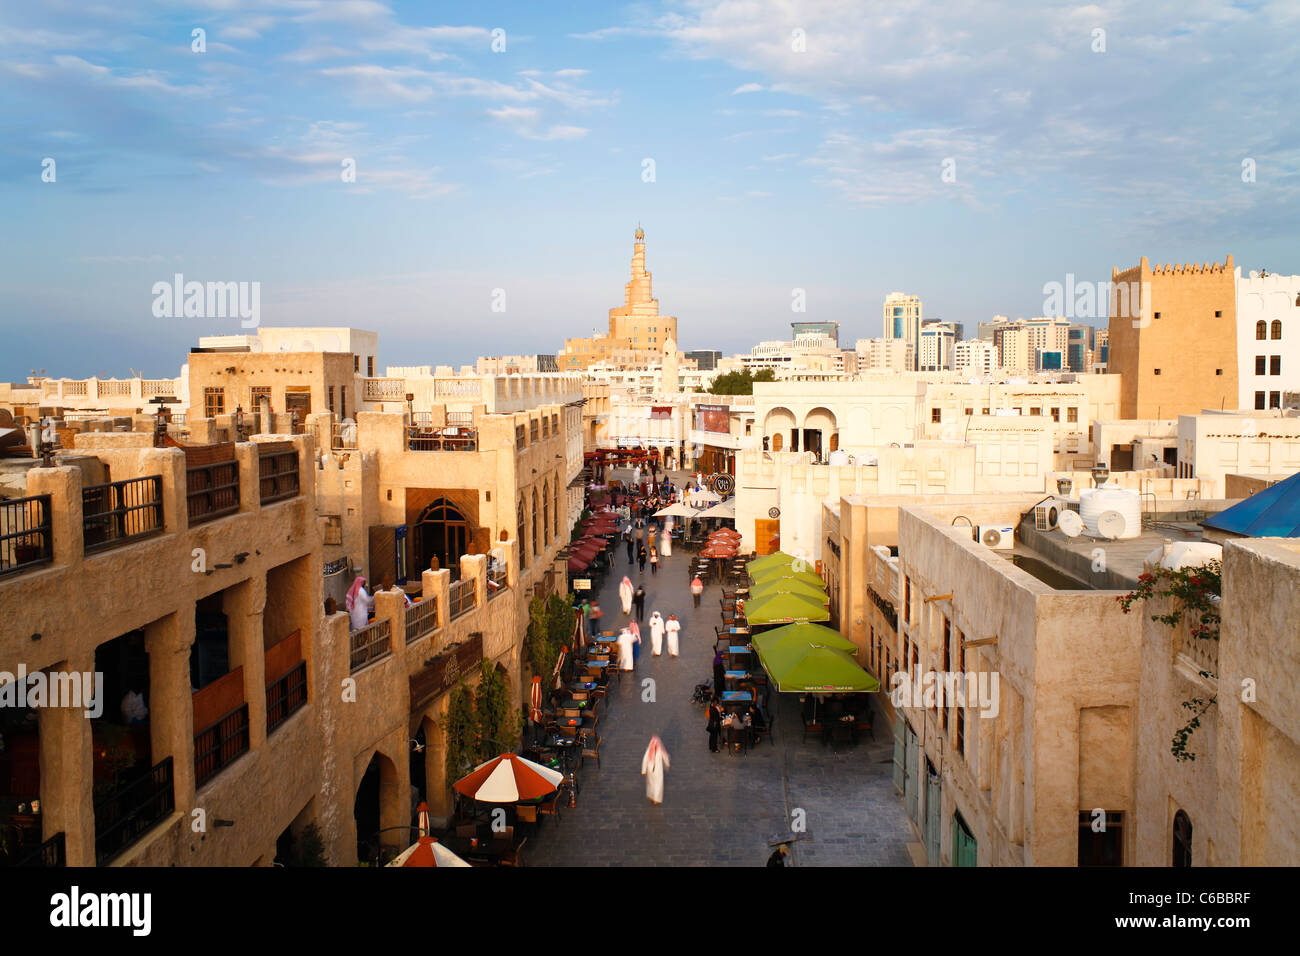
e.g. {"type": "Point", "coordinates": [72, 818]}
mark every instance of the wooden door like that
{"type": "Point", "coordinates": [765, 529]}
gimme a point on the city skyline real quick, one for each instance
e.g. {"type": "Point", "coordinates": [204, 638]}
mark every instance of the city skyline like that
{"type": "Point", "coordinates": [794, 147]}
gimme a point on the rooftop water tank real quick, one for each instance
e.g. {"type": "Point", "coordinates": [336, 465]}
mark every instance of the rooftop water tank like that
{"type": "Point", "coordinates": [1094, 502]}
{"type": "Point", "coordinates": [1185, 554]}
{"type": "Point", "coordinates": [839, 457]}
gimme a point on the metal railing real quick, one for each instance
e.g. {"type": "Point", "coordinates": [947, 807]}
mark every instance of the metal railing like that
{"type": "Point", "coordinates": [26, 540]}
{"type": "Point", "coordinates": [372, 643]}
{"type": "Point", "coordinates": [220, 744]}
{"type": "Point", "coordinates": [462, 419]}
{"type": "Point", "coordinates": [211, 490]}
{"type": "Point", "coordinates": [463, 598]}
{"type": "Point", "coordinates": [445, 439]}
{"type": "Point", "coordinates": [52, 853]}
{"type": "Point", "coordinates": [131, 810]}
{"type": "Point", "coordinates": [286, 695]}
{"type": "Point", "coordinates": [120, 512]}
{"type": "Point", "coordinates": [277, 475]}
{"type": "Point", "coordinates": [421, 619]}
{"type": "Point", "coordinates": [497, 578]}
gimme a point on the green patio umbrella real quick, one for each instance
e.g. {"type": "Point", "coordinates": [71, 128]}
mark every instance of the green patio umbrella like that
{"type": "Point", "coordinates": [799, 636]}
{"type": "Point", "coordinates": [816, 669]}
{"type": "Point", "coordinates": [784, 609]}
{"type": "Point", "coordinates": [775, 559]}
{"type": "Point", "coordinates": [780, 573]}
{"type": "Point", "coordinates": [796, 586]}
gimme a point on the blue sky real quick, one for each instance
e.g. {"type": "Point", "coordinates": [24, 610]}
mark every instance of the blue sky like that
{"type": "Point", "coordinates": [776, 168]}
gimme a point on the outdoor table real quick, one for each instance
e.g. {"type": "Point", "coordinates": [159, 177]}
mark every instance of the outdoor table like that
{"type": "Point", "coordinates": [738, 649]}
{"type": "Point", "coordinates": [733, 629]}
{"type": "Point", "coordinates": [736, 675]}
{"type": "Point", "coordinates": [581, 685]}
{"type": "Point", "coordinates": [737, 697]}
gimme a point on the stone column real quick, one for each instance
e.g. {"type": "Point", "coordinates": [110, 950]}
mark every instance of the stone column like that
{"type": "Point", "coordinates": [168, 642]}
{"type": "Point", "coordinates": [63, 485]}
{"type": "Point", "coordinates": [67, 771]}
{"type": "Point", "coordinates": [243, 605]}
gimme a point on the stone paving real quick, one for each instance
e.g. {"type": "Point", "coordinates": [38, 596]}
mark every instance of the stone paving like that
{"type": "Point", "coordinates": [719, 809]}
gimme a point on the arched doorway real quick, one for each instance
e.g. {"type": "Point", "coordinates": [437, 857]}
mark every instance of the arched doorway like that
{"type": "Point", "coordinates": [443, 532]}
{"type": "Point", "coordinates": [1182, 839]}
{"type": "Point", "coordinates": [375, 811]}
{"type": "Point", "coordinates": [780, 422]}
{"type": "Point", "coordinates": [819, 428]}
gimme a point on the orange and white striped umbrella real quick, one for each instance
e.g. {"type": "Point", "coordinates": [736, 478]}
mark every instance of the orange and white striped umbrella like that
{"type": "Point", "coordinates": [427, 852]}
{"type": "Point", "coordinates": [535, 701]}
{"type": "Point", "coordinates": [508, 779]}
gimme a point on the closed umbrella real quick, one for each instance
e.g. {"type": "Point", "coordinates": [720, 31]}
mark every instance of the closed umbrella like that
{"type": "Point", "coordinates": [559, 665]}
{"type": "Point", "coordinates": [535, 700]}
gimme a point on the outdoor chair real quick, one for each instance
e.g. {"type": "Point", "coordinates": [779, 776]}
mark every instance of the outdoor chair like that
{"type": "Point", "coordinates": [550, 807]}
{"type": "Point", "coordinates": [590, 750]}
{"type": "Point", "coordinates": [467, 831]}
{"type": "Point", "coordinates": [513, 857]}
{"type": "Point", "coordinates": [762, 725]}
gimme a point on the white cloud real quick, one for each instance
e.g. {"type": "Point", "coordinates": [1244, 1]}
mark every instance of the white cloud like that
{"type": "Point", "coordinates": [748, 88]}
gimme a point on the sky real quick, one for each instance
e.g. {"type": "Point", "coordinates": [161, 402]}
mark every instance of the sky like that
{"type": "Point", "coordinates": [964, 151]}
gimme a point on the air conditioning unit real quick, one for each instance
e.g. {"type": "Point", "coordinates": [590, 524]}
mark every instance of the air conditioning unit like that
{"type": "Point", "coordinates": [1045, 515]}
{"type": "Point", "coordinates": [999, 536]}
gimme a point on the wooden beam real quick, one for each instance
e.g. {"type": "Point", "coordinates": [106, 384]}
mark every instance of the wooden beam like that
{"type": "Point", "coordinates": [980, 643]}
{"type": "Point", "coordinates": [938, 597]}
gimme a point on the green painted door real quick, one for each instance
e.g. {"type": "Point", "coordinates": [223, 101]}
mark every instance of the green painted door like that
{"type": "Point", "coordinates": [933, 800]}
{"type": "Point", "coordinates": [963, 842]}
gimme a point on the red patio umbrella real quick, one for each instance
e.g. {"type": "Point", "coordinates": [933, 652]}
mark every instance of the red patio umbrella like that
{"type": "Point", "coordinates": [577, 565]}
{"type": "Point", "coordinates": [508, 778]}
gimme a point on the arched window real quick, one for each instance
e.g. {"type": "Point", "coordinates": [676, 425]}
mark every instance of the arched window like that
{"type": "Point", "coordinates": [442, 532]}
{"type": "Point", "coordinates": [536, 549]}
{"type": "Point", "coordinates": [1261, 331]}
{"type": "Point", "coordinates": [1276, 331]}
{"type": "Point", "coordinates": [1182, 839]}
{"type": "Point", "coordinates": [546, 515]}
{"type": "Point", "coordinates": [778, 441]}
{"type": "Point", "coordinates": [555, 492]}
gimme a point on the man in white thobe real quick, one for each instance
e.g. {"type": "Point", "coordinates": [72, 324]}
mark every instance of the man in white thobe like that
{"type": "Point", "coordinates": [625, 642]}
{"type": "Point", "coordinates": [625, 595]}
{"type": "Point", "coordinates": [653, 765]}
{"type": "Point", "coordinates": [672, 628]}
{"type": "Point", "coordinates": [656, 633]}
{"type": "Point", "coordinates": [666, 539]}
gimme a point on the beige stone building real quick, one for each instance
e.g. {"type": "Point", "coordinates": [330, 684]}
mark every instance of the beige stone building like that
{"type": "Point", "coordinates": [1173, 338]}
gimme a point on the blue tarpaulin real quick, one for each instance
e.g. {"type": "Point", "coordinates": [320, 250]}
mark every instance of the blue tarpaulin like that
{"type": "Point", "coordinates": [1271, 513]}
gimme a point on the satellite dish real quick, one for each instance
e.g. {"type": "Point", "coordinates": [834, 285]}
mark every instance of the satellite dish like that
{"type": "Point", "coordinates": [1070, 523]}
{"type": "Point", "coordinates": [1111, 524]}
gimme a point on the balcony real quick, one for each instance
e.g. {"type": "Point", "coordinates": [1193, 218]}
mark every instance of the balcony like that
{"type": "Point", "coordinates": [469, 388]}
{"type": "Point", "coordinates": [26, 540]}
{"type": "Point", "coordinates": [211, 482]}
{"type": "Point", "coordinates": [496, 583]}
{"type": "Point", "coordinates": [277, 464]}
{"type": "Point", "coordinates": [452, 438]}
{"type": "Point", "coordinates": [383, 389]}
{"type": "Point", "coordinates": [421, 619]}
{"type": "Point", "coordinates": [121, 512]}
{"type": "Point", "coordinates": [372, 643]}
{"type": "Point", "coordinates": [220, 744]}
{"type": "Point", "coordinates": [462, 599]}
{"type": "Point", "coordinates": [133, 809]}
{"type": "Point", "coordinates": [285, 696]}
{"type": "Point", "coordinates": [343, 436]}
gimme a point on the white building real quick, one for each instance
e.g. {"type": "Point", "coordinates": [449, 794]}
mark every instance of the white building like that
{"type": "Point", "coordinates": [1268, 340]}
{"type": "Point", "coordinates": [883, 355]}
{"type": "Point", "coordinates": [975, 357]}
{"type": "Point", "coordinates": [937, 342]}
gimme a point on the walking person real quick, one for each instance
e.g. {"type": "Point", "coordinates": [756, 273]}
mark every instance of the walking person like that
{"type": "Point", "coordinates": [626, 656]}
{"type": "Point", "coordinates": [656, 634]}
{"type": "Point", "coordinates": [714, 726]}
{"type": "Point", "coordinates": [719, 674]}
{"type": "Point", "coordinates": [672, 627]}
{"type": "Point", "coordinates": [638, 600]}
{"type": "Point", "coordinates": [359, 603]}
{"type": "Point", "coordinates": [640, 558]}
{"type": "Point", "coordinates": [636, 641]}
{"type": "Point", "coordinates": [627, 539]}
{"type": "Point", "coordinates": [653, 765]}
{"type": "Point", "coordinates": [697, 588]}
{"type": "Point", "coordinates": [654, 560]}
{"type": "Point", "coordinates": [625, 594]}
{"type": "Point", "coordinates": [666, 539]}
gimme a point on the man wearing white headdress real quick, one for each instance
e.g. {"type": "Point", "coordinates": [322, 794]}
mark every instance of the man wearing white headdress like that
{"type": "Point", "coordinates": [656, 633]}
{"type": "Point", "coordinates": [625, 642]}
{"type": "Point", "coordinates": [653, 765]}
{"type": "Point", "coordinates": [672, 627]}
{"type": "Point", "coordinates": [625, 595]}
{"type": "Point", "coordinates": [666, 539]}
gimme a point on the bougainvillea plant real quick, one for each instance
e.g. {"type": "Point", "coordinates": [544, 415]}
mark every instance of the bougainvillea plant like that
{"type": "Point", "coordinates": [1196, 594]}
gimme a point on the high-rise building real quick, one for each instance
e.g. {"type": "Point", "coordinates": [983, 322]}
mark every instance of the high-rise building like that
{"type": "Point", "coordinates": [706, 360]}
{"type": "Point", "coordinates": [828, 330]}
{"type": "Point", "coordinates": [1100, 350]}
{"type": "Point", "coordinates": [1173, 336]}
{"type": "Point", "coordinates": [937, 341]}
{"type": "Point", "coordinates": [975, 356]}
{"type": "Point", "coordinates": [892, 355]}
{"type": "Point", "coordinates": [1080, 339]}
{"type": "Point", "coordinates": [902, 320]}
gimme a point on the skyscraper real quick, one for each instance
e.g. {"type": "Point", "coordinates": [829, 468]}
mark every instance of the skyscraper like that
{"type": "Point", "coordinates": [902, 320]}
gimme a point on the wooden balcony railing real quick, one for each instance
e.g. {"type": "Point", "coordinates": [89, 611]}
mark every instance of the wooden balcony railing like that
{"type": "Point", "coordinates": [132, 810]}
{"type": "Point", "coordinates": [277, 464]}
{"type": "Point", "coordinates": [121, 512]}
{"type": "Point", "coordinates": [211, 482]}
{"type": "Point", "coordinates": [343, 435]}
{"type": "Point", "coordinates": [463, 598]}
{"type": "Point", "coordinates": [421, 619]}
{"type": "Point", "coordinates": [220, 744]}
{"type": "Point", "coordinates": [456, 438]}
{"type": "Point", "coordinates": [285, 695]}
{"type": "Point", "coordinates": [26, 540]}
{"type": "Point", "coordinates": [372, 643]}
{"type": "Point", "coordinates": [496, 583]}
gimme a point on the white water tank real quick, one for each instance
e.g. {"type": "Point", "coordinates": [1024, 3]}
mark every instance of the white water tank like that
{"type": "Point", "coordinates": [839, 457]}
{"type": "Point", "coordinates": [1176, 555]}
{"type": "Point", "coordinates": [1094, 502]}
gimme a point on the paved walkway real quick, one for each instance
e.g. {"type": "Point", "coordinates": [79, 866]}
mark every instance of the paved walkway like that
{"type": "Point", "coordinates": [719, 809]}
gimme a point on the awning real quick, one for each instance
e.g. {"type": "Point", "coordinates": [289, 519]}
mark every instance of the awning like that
{"type": "Point", "coordinates": [784, 609]}
{"type": "Point", "coordinates": [816, 669]}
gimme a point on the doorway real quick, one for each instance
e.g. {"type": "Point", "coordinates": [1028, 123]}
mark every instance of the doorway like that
{"type": "Point", "coordinates": [442, 532]}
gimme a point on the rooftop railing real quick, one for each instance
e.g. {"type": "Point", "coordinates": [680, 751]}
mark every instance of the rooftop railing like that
{"type": "Point", "coordinates": [462, 599]}
{"type": "Point", "coordinates": [383, 389]}
{"type": "Point", "coordinates": [496, 583]}
{"type": "Point", "coordinates": [372, 643]}
{"type": "Point", "coordinates": [454, 438]}
{"type": "Point", "coordinates": [277, 465]}
{"type": "Point", "coordinates": [120, 512]}
{"type": "Point", "coordinates": [211, 486]}
{"type": "Point", "coordinates": [421, 619]}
